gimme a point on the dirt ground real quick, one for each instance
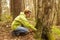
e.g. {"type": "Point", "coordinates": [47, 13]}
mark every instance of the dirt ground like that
{"type": "Point", "coordinates": [5, 33]}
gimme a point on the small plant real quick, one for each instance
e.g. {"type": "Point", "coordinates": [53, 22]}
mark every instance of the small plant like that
{"type": "Point", "coordinates": [6, 17]}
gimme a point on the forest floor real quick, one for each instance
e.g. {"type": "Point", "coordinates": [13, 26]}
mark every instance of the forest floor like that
{"type": "Point", "coordinates": [5, 33]}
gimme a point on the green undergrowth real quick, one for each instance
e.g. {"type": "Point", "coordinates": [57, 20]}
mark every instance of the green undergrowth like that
{"type": "Point", "coordinates": [56, 30]}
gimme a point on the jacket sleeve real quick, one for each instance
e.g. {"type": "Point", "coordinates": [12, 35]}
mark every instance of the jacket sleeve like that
{"type": "Point", "coordinates": [25, 22]}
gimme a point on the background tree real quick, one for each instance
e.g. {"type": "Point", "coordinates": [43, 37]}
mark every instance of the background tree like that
{"type": "Point", "coordinates": [16, 7]}
{"type": "Point", "coordinates": [58, 15]}
{"type": "Point", "coordinates": [5, 10]}
{"type": "Point", "coordinates": [35, 6]}
{"type": "Point", "coordinates": [0, 9]}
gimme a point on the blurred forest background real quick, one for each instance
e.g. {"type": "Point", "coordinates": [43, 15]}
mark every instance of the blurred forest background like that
{"type": "Point", "coordinates": [45, 16]}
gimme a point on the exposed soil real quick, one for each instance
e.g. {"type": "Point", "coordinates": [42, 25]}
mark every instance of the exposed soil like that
{"type": "Point", "coordinates": [5, 33]}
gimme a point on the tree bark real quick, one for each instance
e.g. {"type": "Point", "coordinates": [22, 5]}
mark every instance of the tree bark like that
{"type": "Point", "coordinates": [58, 15]}
{"type": "Point", "coordinates": [0, 10]}
{"type": "Point", "coordinates": [16, 7]}
{"type": "Point", "coordinates": [46, 13]}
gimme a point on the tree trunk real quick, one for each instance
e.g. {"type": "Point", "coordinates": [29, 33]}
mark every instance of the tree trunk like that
{"type": "Point", "coordinates": [16, 7]}
{"type": "Point", "coordinates": [35, 6]}
{"type": "Point", "coordinates": [58, 15]}
{"type": "Point", "coordinates": [46, 13]}
{"type": "Point", "coordinates": [0, 10]}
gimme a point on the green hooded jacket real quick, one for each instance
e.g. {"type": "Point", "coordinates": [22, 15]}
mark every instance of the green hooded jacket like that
{"type": "Point", "coordinates": [21, 20]}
